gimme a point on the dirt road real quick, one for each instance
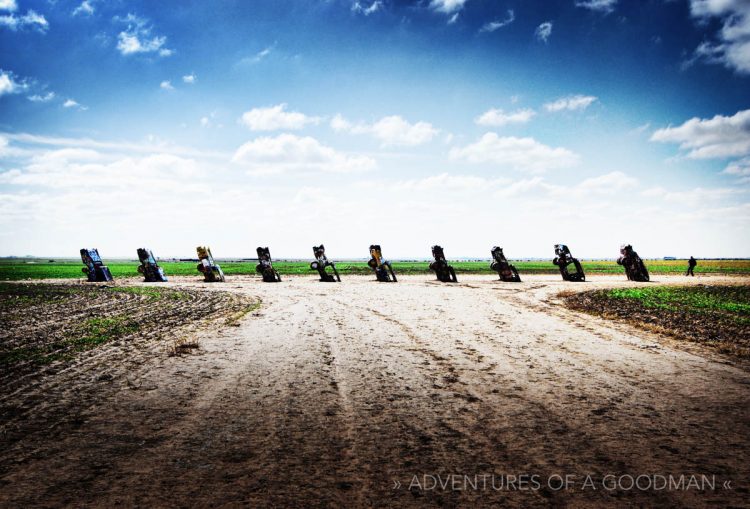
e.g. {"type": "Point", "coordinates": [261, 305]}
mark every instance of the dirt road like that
{"type": "Point", "coordinates": [415, 393]}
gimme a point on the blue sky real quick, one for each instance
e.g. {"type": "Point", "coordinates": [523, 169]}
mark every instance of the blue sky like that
{"type": "Point", "coordinates": [289, 123]}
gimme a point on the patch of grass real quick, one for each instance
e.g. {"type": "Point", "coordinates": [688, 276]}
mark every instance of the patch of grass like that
{"type": "Point", "coordinates": [730, 299]}
{"type": "Point", "coordinates": [96, 331]}
{"type": "Point", "coordinates": [717, 315]}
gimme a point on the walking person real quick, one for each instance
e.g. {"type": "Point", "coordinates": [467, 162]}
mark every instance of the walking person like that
{"type": "Point", "coordinates": [691, 265]}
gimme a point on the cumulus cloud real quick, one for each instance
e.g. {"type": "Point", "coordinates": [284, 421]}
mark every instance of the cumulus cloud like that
{"type": "Point", "coordinates": [41, 98]}
{"type": "Point", "coordinates": [76, 167]}
{"type": "Point", "coordinates": [449, 182]}
{"type": "Point", "coordinates": [543, 31]}
{"type": "Point", "coordinates": [573, 102]}
{"type": "Point", "coordinates": [86, 8]}
{"type": "Point", "coordinates": [29, 20]}
{"type": "Point", "coordinates": [287, 152]}
{"type": "Point", "coordinates": [524, 154]}
{"type": "Point", "coordinates": [609, 183]}
{"type": "Point", "coordinates": [166, 85]}
{"type": "Point", "coordinates": [447, 6]}
{"type": "Point", "coordinates": [495, 25]}
{"type": "Point", "coordinates": [717, 137]}
{"type": "Point", "coordinates": [8, 5]}
{"type": "Point", "coordinates": [9, 84]}
{"type": "Point", "coordinates": [137, 38]}
{"type": "Point", "coordinates": [276, 117]}
{"type": "Point", "coordinates": [497, 117]}
{"type": "Point", "coordinates": [374, 7]}
{"type": "Point", "coordinates": [189, 78]}
{"type": "Point", "coordinates": [696, 197]}
{"type": "Point", "coordinates": [732, 45]}
{"type": "Point", "coordinates": [391, 131]}
{"type": "Point", "coordinates": [603, 6]}
{"type": "Point", "coordinates": [740, 168]}
{"type": "Point", "coordinates": [73, 104]}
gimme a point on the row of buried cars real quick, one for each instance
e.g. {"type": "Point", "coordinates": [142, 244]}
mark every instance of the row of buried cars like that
{"type": "Point", "coordinates": [570, 267]}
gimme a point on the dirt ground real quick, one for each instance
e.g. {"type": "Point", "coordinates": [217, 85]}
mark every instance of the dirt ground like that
{"type": "Point", "coordinates": [391, 395]}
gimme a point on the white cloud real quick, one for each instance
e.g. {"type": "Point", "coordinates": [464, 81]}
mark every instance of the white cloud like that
{"type": "Point", "coordinates": [447, 6]}
{"type": "Point", "coordinates": [604, 6]}
{"type": "Point", "coordinates": [543, 31]}
{"type": "Point", "coordinates": [609, 183]}
{"type": "Point", "coordinates": [495, 25]}
{"type": "Point", "coordinates": [86, 8]}
{"type": "Point", "coordinates": [137, 38]}
{"type": "Point", "coordinates": [497, 117]}
{"type": "Point", "coordinates": [189, 78]}
{"type": "Point", "coordinates": [732, 48]}
{"type": "Point", "coordinates": [37, 98]}
{"type": "Point", "coordinates": [75, 167]}
{"type": "Point", "coordinates": [697, 197]}
{"type": "Point", "coordinates": [453, 18]}
{"type": "Point", "coordinates": [339, 123]}
{"type": "Point", "coordinates": [275, 117]}
{"type": "Point", "coordinates": [8, 5]}
{"type": "Point", "coordinates": [72, 103]}
{"type": "Point", "coordinates": [29, 20]}
{"type": "Point", "coordinates": [371, 9]}
{"type": "Point", "coordinates": [166, 85]}
{"type": "Point", "coordinates": [740, 168]}
{"type": "Point", "coordinates": [391, 131]}
{"type": "Point", "coordinates": [449, 183]}
{"type": "Point", "coordinates": [394, 130]}
{"type": "Point", "coordinates": [8, 83]}
{"type": "Point", "coordinates": [718, 137]}
{"type": "Point", "coordinates": [573, 102]}
{"type": "Point", "coordinates": [525, 154]}
{"type": "Point", "coordinates": [287, 152]}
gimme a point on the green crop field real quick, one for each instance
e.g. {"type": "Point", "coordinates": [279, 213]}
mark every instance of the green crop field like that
{"type": "Point", "coordinates": [715, 315]}
{"type": "Point", "coordinates": [38, 268]}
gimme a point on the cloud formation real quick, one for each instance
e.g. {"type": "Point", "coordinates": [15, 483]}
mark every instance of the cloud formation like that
{"type": "Point", "coordinates": [603, 6]}
{"type": "Point", "coordinates": [447, 6]}
{"type": "Point", "coordinates": [495, 25]}
{"type": "Point", "coordinates": [290, 153]}
{"type": "Point", "coordinates": [717, 137]}
{"type": "Point", "coordinates": [524, 154]}
{"type": "Point", "coordinates": [73, 104]}
{"type": "Point", "coordinates": [9, 84]}
{"type": "Point", "coordinates": [137, 38]}
{"type": "Point", "coordinates": [732, 45]}
{"type": "Point", "coordinates": [39, 98]}
{"type": "Point", "coordinates": [497, 117]}
{"type": "Point", "coordinates": [392, 130]}
{"type": "Point", "coordinates": [371, 9]}
{"type": "Point", "coordinates": [572, 103]}
{"type": "Point", "coordinates": [29, 20]}
{"type": "Point", "coordinates": [543, 31]}
{"type": "Point", "coordinates": [274, 118]}
{"type": "Point", "coordinates": [86, 8]}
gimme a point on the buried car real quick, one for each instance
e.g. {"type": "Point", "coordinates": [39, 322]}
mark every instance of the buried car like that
{"type": "Point", "coordinates": [381, 266]}
{"type": "Point", "coordinates": [635, 269]}
{"type": "Point", "coordinates": [265, 266]}
{"type": "Point", "coordinates": [149, 268]}
{"type": "Point", "coordinates": [211, 271]}
{"type": "Point", "coordinates": [441, 267]}
{"type": "Point", "coordinates": [503, 267]}
{"type": "Point", "coordinates": [94, 269]}
{"type": "Point", "coordinates": [570, 268]}
{"type": "Point", "coordinates": [320, 264]}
